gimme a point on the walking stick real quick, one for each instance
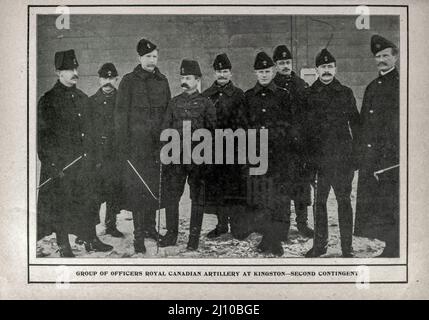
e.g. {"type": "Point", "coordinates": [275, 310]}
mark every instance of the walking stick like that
{"type": "Point", "coordinates": [315, 199]}
{"type": "Point", "coordinates": [142, 180]}
{"type": "Point", "coordinates": [376, 173]}
{"type": "Point", "coordinates": [159, 205]}
{"type": "Point", "coordinates": [65, 168]}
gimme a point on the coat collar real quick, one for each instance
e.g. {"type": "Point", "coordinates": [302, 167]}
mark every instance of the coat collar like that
{"type": "Point", "coordinates": [143, 74]}
{"type": "Point", "coordinates": [335, 85]}
{"type": "Point", "coordinates": [271, 86]}
{"type": "Point", "coordinates": [101, 95]}
{"type": "Point", "coordinates": [228, 89]}
{"type": "Point", "coordinates": [60, 86]}
{"type": "Point", "coordinates": [285, 78]}
{"type": "Point", "coordinates": [390, 75]}
{"type": "Point", "coordinates": [191, 96]}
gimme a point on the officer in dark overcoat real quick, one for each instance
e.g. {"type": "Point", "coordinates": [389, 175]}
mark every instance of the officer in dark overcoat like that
{"type": "Point", "coordinates": [67, 203]}
{"type": "Point", "coordinates": [108, 182]}
{"type": "Point", "coordinates": [268, 108]}
{"type": "Point", "coordinates": [226, 183]}
{"type": "Point", "coordinates": [143, 95]}
{"type": "Point", "coordinates": [377, 207]}
{"type": "Point", "coordinates": [301, 190]}
{"type": "Point", "coordinates": [333, 126]}
{"type": "Point", "coordinates": [189, 106]}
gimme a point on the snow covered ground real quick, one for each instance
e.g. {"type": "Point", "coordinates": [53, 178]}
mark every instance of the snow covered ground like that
{"type": "Point", "coordinates": [222, 247]}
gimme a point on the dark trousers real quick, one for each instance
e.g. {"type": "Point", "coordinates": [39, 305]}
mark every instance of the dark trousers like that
{"type": "Point", "coordinates": [173, 186]}
{"type": "Point", "coordinates": [341, 182]}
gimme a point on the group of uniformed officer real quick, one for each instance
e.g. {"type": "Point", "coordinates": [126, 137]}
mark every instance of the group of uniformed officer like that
{"type": "Point", "coordinates": [106, 148]}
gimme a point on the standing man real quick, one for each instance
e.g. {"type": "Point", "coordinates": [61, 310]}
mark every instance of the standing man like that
{"type": "Point", "coordinates": [142, 100]}
{"type": "Point", "coordinates": [268, 108]}
{"type": "Point", "coordinates": [66, 204]}
{"type": "Point", "coordinates": [301, 190]}
{"type": "Point", "coordinates": [108, 182]}
{"type": "Point", "coordinates": [377, 207]}
{"type": "Point", "coordinates": [333, 128]}
{"type": "Point", "coordinates": [194, 107]}
{"type": "Point", "coordinates": [226, 183]}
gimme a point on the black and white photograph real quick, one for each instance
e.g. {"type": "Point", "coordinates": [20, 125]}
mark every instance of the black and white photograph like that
{"type": "Point", "coordinates": [212, 136]}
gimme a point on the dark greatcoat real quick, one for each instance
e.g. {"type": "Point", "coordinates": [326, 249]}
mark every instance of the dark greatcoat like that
{"type": "Point", "coordinates": [301, 190]}
{"type": "Point", "coordinates": [226, 183]}
{"type": "Point", "coordinates": [268, 107]}
{"type": "Point", "coordinates": [64, 133]}
{"type": "Point", "coordinates": [140, 106]}
{"type": "Point", "coordinates": [332, 126]}
{"type": "Point", "coordinates": [377, 207]}
{"type": "Point", "coordinates": [109, 186]}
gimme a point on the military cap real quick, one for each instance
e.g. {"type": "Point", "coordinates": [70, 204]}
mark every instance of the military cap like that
{"type": "Point", "coordinates": [65, 60]}
{"type": "Point", "coordinates": [379, 43]}
{"type": "Point", "coordinates": [145, 46]}
{"type": "Point", "coordinates": [281, 52]}
{"type": "Point", "coordinates": [262, 61]}
{"type": "Point", "coordinates": [324, 57]}
{"type": "Point", "coordinates": [222, 62]}
{"type": "Point", "coordinates": [190, 67]}
{"type": "Point", "coordinates": [108, 70]}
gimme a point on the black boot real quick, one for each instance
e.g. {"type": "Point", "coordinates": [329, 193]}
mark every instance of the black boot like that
{"type": "Point", "coordinates": [64, 247]}
{"type": "Point", "coordinates": [193, 242]}
{"type": "Point", "coordinates": [169, 239]}
{"type": "Point", "coordinates": [305, 230]}
{"type": "Point", "coordinates": [96, 244]}
{"type": "Point", "coordinates": [172, 223]}
{"type": "Point", "coordinates": [65, 251]}
{"type": "Point", "coordinates": [114, 232]}
{"type": "Point", "coordinates": [195, 226]}
{"type": "Point", "coordinates": [139, 246]}
{"type": "Point", "coordinates": [315, 252]}
{"type": "Point", "coordinates": [221, 228]}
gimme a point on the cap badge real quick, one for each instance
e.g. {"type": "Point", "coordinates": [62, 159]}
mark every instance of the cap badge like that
{"type": "Point", "coordinates": [183, 70]}
{"type": "Point", "coordinates": [326, 58]}
{"type": "Point", "coordinates": [378, 46]}
{"type": "Point", "coordinates": [284, 54]}
{"type": "Point", "coordinates": [264, 63]}
{"type": "Point", "coordinates": [220, 65]}
{"type": "Point", "coordinates": [74, 61]}
{"type": "Point", "coordinates": [109, 73]}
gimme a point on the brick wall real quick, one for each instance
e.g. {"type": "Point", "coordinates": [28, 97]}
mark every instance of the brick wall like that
{"type": "Point", "coordinates": [113, 38]}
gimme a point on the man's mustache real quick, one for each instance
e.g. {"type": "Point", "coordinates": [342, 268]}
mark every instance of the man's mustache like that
{"type": "Point", "coordinates": [222, 78]}
{"type": "Point", "coordinates": [185, 85]}
{"type": "Point", "coordinates": [108, 85]}
{"type": "Point", "coordinates": [382, 64]}
{"type": "Point", "coordinates": [285, 69]}
{"type": "Point", "coordinates": [326, 74]}
{"type": "Point", "coordinates": [75, 77]}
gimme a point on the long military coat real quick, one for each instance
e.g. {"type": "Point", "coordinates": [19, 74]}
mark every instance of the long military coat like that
{"type": "Point", "coordinates": [140, 106]}
{"type": "Point", "coordinates": [377, 207]}
{"type": "Point", "coordinates": [226, 183]}
{"type": "Point", "coordinates": [64, 133]}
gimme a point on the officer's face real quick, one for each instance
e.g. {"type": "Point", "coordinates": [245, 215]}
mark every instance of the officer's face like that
{"type": "Point", "coordinates": [108, 84]}
{"type": "Point", "coordinates": [385, 59]}
{"type": "Point", "coordinates": [223, 76]}
{"type": "Point", "coordinates": [326, 72]}
{"type": "Point", "coordinates": [68, 77]}
{"type": "Point", "coordinates": [284, 67]}
{"type": "Point", "coordinates": [149, 60]}
{"type": "Point", "coordinates": [264, 76]}
{"type": "Point", "coordinates": [189, 83]}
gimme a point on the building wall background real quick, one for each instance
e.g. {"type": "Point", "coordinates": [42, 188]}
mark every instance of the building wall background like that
{"type": "Point", "coordinates": [113, 38]}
